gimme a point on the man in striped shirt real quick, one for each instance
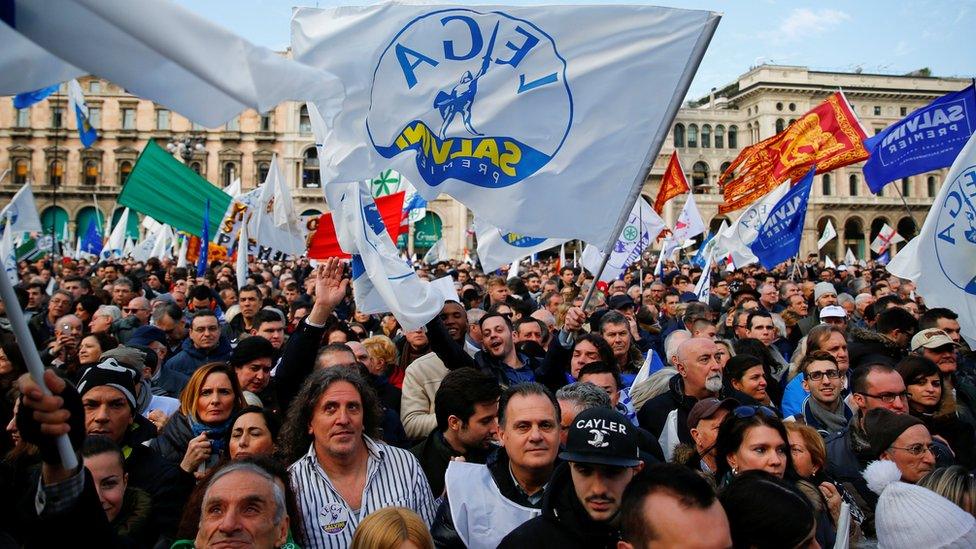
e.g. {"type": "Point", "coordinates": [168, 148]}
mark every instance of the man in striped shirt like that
{"type": "Point", "coordinates": [340, 474]}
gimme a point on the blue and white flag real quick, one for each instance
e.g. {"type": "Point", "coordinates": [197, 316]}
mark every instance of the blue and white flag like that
{"type": "Point", "coordinates": [704, 286]}
{"type": "Point", "coordinates": [414, 205]}
{"type": "Point", "coordinates": [76, 103]}
{"type": "Point", "coordinates": [540, 119]}
{"type": "Point", "coordinates": [940, 259]}
{"type": "Point", "coordinates": [8, 253]}
{"type": "Point", "coordinates": [21, 213]}
{"type": "Point", "coordinates": [91, 242]}
{"type": "Point", "coordinates": [381, 281]}
{"type": "Point", "coordinates": [701, 257]}
{"type": "Point", "coordinates": [204, 242]}
{"type": "Point", "coordinates": [779, 236]}
{"type": "Point", "coordinates": [927, 139]}
{"type": "Point", "coordinates": [497, 247]}
{"type": "Point", "coordinates": [116, 240]}
{"type": "Point", "coordinates": [735, 240]}
{"type": "Point", "coordinates": [161, 51]}
{"type": "Point", "coordinates": [26, 99]}
{"type": "Point", "coordinates": [641, 230]}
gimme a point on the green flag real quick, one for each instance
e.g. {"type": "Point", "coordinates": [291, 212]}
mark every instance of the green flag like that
{"type": "Point", "coordinates": [170, 192]}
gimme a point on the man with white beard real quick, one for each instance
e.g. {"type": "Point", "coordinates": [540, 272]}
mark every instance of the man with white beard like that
{"type": "Point", "coordinates": [699, 376]}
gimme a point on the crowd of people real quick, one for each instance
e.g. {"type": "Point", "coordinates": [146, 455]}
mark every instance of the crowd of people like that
{"type": "Point", "coordinates": [791, 408]}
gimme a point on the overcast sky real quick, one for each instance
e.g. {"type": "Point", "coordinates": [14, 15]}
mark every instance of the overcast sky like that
{"type": "Point", "coordinates": [877, 36]}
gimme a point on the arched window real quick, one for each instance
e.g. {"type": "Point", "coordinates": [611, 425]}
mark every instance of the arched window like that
{"type": "Point", "coordinates": [930, 185]}
{"type": "Point", "coordinates": [311, 179]}
{"type": "Point", "coordinates": [906, 186]}
{"type": "Point", "coordinates": [304, 122]}
{"type": "Point", "coordinates": [825, 182]}
{"type": "Point", "coordinates": [55, 173]}
{"type": "Point", "coordinates": [733, 137]}
{"type": "Point", "coordinates": [21, 171]}
{"type": "Point", "coordinates": [125, 168]}
{"type": "Point", "coordinates": [692, 136]}
{"type": "Point", "coordinates": [229, 172]}
{"type": "Point", "coordinates": [263, 169]}
{"type": "Point", "coordinates": [852, 184]}
{"type": "Point", "coordinates": [90, 174]}
{"type": "Point", "coordinates": [724, 167]}
{"type": "Point", "coordinates": [679, 135]}
{"type": "Point", "coordinates": [196, 167]}
{"type": "Point", "coordinates": [699, 178]}
{"type": "Point", "coordinates": [780, 125]}
{"type": "Point", "coordinates": [719, 136]}
{"type": "Point", "coordinates": [706, 136]}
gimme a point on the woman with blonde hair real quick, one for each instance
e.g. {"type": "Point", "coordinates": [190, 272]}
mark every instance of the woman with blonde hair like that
{"type": "Point", "coordinates": [392, 528]}
{"type": "Point", "coordinates": [382, 354]}
{"type": "Point", "coordinates": [954, 483]}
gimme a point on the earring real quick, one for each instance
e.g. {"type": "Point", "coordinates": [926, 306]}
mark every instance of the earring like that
{"type": "Point", "coordinates": [735, 471]}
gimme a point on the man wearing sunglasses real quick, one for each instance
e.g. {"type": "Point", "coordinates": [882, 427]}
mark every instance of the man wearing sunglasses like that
{"type": "Point", "coordinates": [825, 409]}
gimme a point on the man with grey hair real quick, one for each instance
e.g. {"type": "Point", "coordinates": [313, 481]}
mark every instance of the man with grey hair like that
{"type": "Point", "coordinates": [861, 303]}
{"type": "Point", "coordinates": [472, 339]}
{"type": "Point", "coordinates": [62, 351]}
{"type": "Point", "coordinates": [243, 504]}
{"type": "Point", "coordinates": [573, 399]}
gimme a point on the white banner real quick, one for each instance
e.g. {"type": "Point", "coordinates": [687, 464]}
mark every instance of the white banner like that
{"type": "Point", "coordinates": [642, 228]}
{"type": "Point", "coordinates": [540, 119]}
{"type": "Point", "coordinates": [829, 233]}
{"type": "Point", "coordinates": [736, 239]}
{"type": "Point", "coordinates": [497, 247]}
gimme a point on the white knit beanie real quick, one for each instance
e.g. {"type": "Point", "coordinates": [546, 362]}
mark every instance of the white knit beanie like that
{"type": "Point", "coordinates": [912, 517]}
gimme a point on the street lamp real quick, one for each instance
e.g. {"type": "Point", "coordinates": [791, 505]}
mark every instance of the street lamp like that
{"type": "Point", "coordinates": [185, 147]}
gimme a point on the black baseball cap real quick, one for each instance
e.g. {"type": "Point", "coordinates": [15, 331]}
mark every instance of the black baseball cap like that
{"type": "Point", "coordinates": [621, 301]}
{"type": "Point", "coordinates": [602, 436]}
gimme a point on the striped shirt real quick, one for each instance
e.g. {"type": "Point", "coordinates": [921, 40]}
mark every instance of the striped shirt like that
{"type": "Point", "coordinates": [393, 478]}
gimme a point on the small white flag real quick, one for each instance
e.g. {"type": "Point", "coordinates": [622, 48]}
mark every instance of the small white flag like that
{"type": "Point", "coordinates": [181, 257]}
{"type": "Point", "coordinates": [641, 229]}
{"type": "Point", "coordinates": [849, 258]}
{"type": "Point", "coordinates": [116, 241]}
{"type": "Point", "coordinates": [829, 263]}
{"type": "Point", "coordinates": [513, 269]}
{"type": "Point", "coordinates": [21, 213]}
{"type": "Point", "coordinates": [437, 252]}
{"type": "Point", "coordinates": [234, 189]}
{"type": "Point", "coordinates": [828, 234]}
{"type": "Point", "coordinates": [704, 286]}
{"type": "Point", "coordinates": [885, 239]}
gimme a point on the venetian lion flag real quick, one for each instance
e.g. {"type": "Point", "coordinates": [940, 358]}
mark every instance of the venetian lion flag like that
{"type": "Point", "coordinates": [673, 183]}
{"type": "Point", "coordinates": [547, 110]}
{"type": "Point", "coordinates": [828, 136]}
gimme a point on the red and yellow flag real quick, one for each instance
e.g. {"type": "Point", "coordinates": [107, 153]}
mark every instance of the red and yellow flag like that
{"type": "Point", "coordinates": [829, 136]}
{"type": "Point", "coordinates": [672, 184]}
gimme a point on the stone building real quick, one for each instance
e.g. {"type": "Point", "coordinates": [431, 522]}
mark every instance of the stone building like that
{"type": "Point", "coordinates": [40, 144]}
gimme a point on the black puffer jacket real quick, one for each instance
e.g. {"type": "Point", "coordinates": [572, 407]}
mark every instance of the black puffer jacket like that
{"type": "Point", "coordinates": [866, 346]}
{"type": "Point", "coordinates": [564, 523]}
{"type": "Point", "coordinates": [654, 413]}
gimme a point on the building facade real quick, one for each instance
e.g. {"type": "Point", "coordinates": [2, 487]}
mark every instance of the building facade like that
{"type": "Point", "coordinates": [41, 145]}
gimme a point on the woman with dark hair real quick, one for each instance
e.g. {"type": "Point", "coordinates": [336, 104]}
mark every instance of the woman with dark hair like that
{"type": "Point", "coordinates": [253, 433]}
{"type": "Point", "coordinates": [85, 308]}
{"type": "Point", "coordinates": [756, 348]}
{"type": "Point", "coordinates": [767, 512]}
{"type": "Point", "coordinates": [752, 437]}
{"type": "Point", "coordinates": [92, 346]}
{"type": "Point", "coordinates": [587, 348]}
{"type": "Point", "coordinates": [196, 436]}
{"type": "Point", "coordinates": [929, 401]}
{"type": "Point", "coordinates": [190, 522]}
{"type": "Point", "coordinates": [746, 378]}
{"type": "Point", "coordinates": [128, 509]}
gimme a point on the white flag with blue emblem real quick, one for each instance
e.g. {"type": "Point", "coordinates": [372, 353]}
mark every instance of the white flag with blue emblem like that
{"type": "Point", "coordinates": [947, 240]}
{"type": "Point", "coordinates": [76, 104]}
{"type": "Point", "coordinates": [540, 119]}
{"type": "Point", "coordinates": [22, 210]}
{"type": "Point", "coordinates": [641, 230]}
{"type": "Point", "coordinates": [497, 247]}
{"type": "Point", "coordinates": [381, 281]}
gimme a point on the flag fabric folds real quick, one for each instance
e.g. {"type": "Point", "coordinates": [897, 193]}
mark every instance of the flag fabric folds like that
{"type": "Point", "coordinates": [76, 103]}
{"type": "Point", "coordinates": [325, 243]}
{"type": "Point", "coordinates": [673, 183]}
{"type": "Point", "coordinates": [829, 233]}
{"type": "Point", "coordinates": [437, 252]}
{"type": "Point", "coordinates": [779, 236]}
{"type": "Point", "coordinates": [22, 210]}
{"type": "Point", "coordinates": [91, 243]}
{"type": "Point", "coordinates": [116, 240]}
{"type": "Point", "coordinates": [381, 280]}
{"type": "Point", "coordinates": [704, 286]}
{"type": "Point", "coordinates": [161, 51]}
{"type": "Point", "coordinates": [927, 139]}
{"type": "Point", "coordinates": [240, 266]}
{"type": "Point", "coordinates": [273, 220]}
{"type": "Point", "coordinates": [886, 237]}
{"type": "Point", "coordinates": [828, 136]}
{"type": "Point", "coordinates": [688, 225]}
{"type": "Point", "coordinates": [642, 228]}
{"type": "Point", "coordinates": [162, 187]}
{"type": "Point", "coordinates": [735, 241]}
{"type": "Point", "coordinates": [849, 258]}
{"type": "Point", "coordinates": [497, 247]}
{"type": "Point", "coordinates": [26, 99]}
{"type": "Point", "coordinates": [204, 241]}
{"type": "Point", "coordinates": [506, 105]}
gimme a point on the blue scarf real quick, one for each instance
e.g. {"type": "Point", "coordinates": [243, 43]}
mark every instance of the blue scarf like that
{"type": "Point", "coordinates": [216, 433]}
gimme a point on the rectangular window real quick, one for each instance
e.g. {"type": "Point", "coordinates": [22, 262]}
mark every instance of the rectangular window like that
{"type": "Point", "coordinates": [95, 86]}
{"type": "Point", "coordinates": [904, 111]}
{"type": "Point", "coordinates": [162, 119]}
{"type": "Point", "coordinates": [877, 111]}
{"type": "Point", "coordinates": [23, 118]}
{"type": "Point", "coordinates": [266, 122]}
{"type": "Point", "coordinates": [57, 115]}
{"type": "Point", "coordinates": [128, 119]}
{"type": "Point", "coordinates": [95, 117]}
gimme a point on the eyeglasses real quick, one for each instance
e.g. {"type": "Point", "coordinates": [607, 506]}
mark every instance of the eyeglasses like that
{"type": "Point", "coordinates": [817, 376]}
{"type": "Point", "coordinates": [888, 398]}
{"type": "Point", "coordinates": [743, 412]}
{"type": "Point", "coordinates": [917, 449]}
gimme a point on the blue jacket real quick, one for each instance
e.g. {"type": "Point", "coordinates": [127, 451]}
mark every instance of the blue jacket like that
{"type": "Point", "coordinates": [190, 358]}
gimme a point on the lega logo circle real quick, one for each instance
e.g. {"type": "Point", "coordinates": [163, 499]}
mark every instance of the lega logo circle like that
{"type": "Point", "coordinates": [955, 236]}
{"type": "Point", "coordinates": [479, 97]}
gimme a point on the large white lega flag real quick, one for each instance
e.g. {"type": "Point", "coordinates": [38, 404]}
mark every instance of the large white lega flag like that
{"type": "Point", "coordinates": [22, 213]}
{"type": "Point", "coordinates": [946, 246]}
{"type": "Point", "coordinates": [497, 247]}
{"type": "Point", "coordinates": [552, 111]}
{"type": "Point", "coordinates": [157, 50]}
{"type": "Point", "coordinates": [381, 281]}
{"type": "Point", "coordinates": [642, 228]}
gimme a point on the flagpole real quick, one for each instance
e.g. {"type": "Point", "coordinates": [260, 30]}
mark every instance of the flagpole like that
{"type": "Point", "coordinates": [907, 209]}
{"type": "Point", "coordinates": [589, 293]}
{"type": "Point", "coordinates": [54, 182]}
